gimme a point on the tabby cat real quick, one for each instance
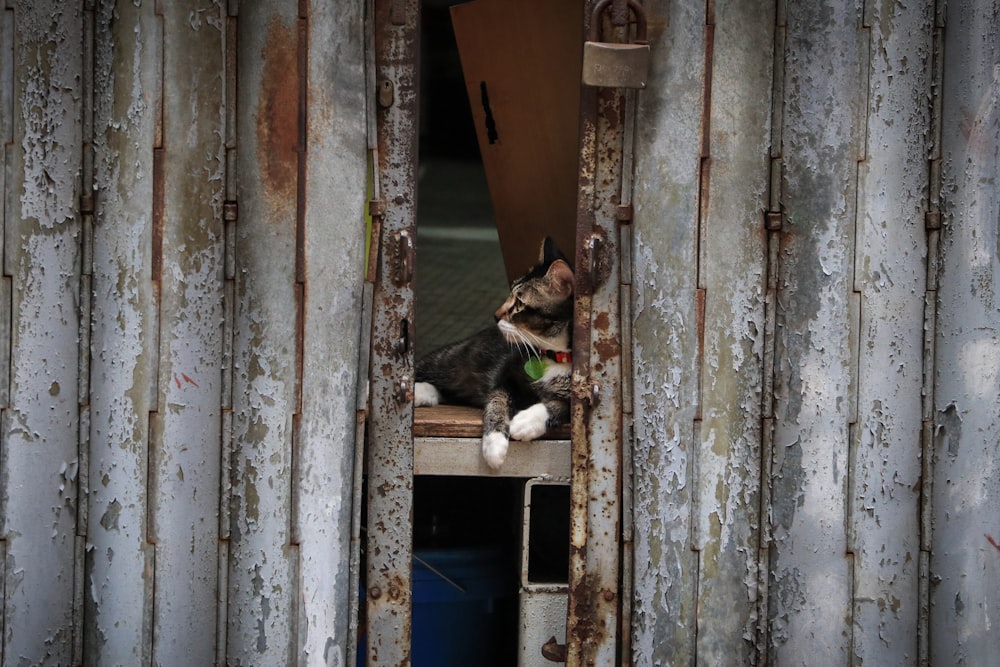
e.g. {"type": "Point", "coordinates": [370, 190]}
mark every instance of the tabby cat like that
{"type": "Point", "coordinates": [517, 371]}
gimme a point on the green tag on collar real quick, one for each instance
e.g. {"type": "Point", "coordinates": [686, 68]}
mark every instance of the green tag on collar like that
{"type": "Point", "coordinates": [535, 368]}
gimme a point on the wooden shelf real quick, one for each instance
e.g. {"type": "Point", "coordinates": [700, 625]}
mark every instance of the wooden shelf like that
{"type": "Point", "coordinates": [453, 421]}
{"type": "Point", "coordinates": [447, 441]}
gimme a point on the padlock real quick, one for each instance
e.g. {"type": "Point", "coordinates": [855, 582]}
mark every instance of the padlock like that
{"type": "Point", "coordinates": [613, 64]}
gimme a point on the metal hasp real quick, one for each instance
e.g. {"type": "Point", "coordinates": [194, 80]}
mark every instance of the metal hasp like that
{"type": "Point", "coordinates": [390, 415]}
{"type": "Point", "coordinates": [614, 64]}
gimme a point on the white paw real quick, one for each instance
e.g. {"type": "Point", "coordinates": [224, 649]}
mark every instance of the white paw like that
{"type": "Point", "coordinates": [494, 449]}
{"type": "Point", "coordinates": [529, 424]}
{"type": "Point", "coordinates": [425, 394]}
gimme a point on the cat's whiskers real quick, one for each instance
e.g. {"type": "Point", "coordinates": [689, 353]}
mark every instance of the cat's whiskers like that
{"type": "Point", "coordinates": [534, 340]}
{"type": "Point", "coordinates": [521, 340]}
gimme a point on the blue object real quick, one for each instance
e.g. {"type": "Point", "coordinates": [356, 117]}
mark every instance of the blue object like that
{"type": "Point", "coordinates": [473, 626]}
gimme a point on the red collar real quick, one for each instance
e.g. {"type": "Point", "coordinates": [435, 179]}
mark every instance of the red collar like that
{"type": "Point", "coordinates": [558, 356]}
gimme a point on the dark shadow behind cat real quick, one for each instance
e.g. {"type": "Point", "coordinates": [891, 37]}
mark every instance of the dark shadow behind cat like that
{"type": "Point", "coordinates": [518, 372]}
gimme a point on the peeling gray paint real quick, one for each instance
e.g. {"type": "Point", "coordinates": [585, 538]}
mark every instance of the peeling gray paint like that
{"type": "Point", "coordinates": [664, 333]}
{"type": "Point", "coordinates": [965, 561]}
{"type": "Point", "coordinates": [118, 588]}
{"type": "Point", "coordinates": [261, 623]}
{"type": "Point", "coordinates": [42, 261]}
{"type": "Point", "coordinates": [332, 307]}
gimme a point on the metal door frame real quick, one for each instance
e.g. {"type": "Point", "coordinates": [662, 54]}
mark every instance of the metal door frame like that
{"type": "Point", "coordinates": [594, 628]}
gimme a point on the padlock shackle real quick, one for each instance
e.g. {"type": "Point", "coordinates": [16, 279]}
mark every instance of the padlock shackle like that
{"type": "Point", "coordinates": [601, 6]}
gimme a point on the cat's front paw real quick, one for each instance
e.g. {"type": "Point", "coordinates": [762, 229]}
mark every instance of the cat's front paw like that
{"type": "Point", "coordinates": [529, 424]}
{"type": "Point", "coordinates": [495, 449]}
{"type": "Point", "coordinates": [425, 394]}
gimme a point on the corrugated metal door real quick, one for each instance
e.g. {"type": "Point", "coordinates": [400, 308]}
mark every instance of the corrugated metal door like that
{"type": "Point", "coordinates": [809, 180]}
{"type": "Point", "coordinates": [178, 412]}
{"type": "Point", "coordinates": [807, 429]}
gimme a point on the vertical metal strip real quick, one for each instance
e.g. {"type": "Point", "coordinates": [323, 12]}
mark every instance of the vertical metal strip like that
{"type": "Point", "coordinates": [933, 226]}
{"type": "Point", "coordinates": [965, 558]}
{"type": "Point", "coordinates": [332, 316]}
{"type": "Point", "coordinates": [812, 357]}
{"type": "Point", "coordinates": [390, 416]}
{"type": "Point", "coordinates": [263, 580]}
{"type": "Point", "coordinates": [42, 228]}
{"type": "Point", "coordinates": [364, 343]}
{"type": "Point", "coordinates": [773, 219]}
{"type": "Point", "coordinates": [6, 213]}
{"type": "Point", "coordinates": [230, 218]}
{"type": "Point", "coordinates": [124, 335]}
{"type": "Point", "coordinates": [6, 304]}
{"type": "Point", "coordinates": [668, 143]}
{"type": "Point", "coordinates": [81, 468]}
{"type": "Point", "coordinates": [889, 286]}
{"type": "Point", "coordinates": [625, 249]}
{"type": "Point", "coordinates": [730, 309]}
{"type": "Point", "coordinates": [580, 608]}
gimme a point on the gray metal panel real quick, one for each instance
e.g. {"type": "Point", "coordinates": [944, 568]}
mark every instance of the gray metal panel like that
{"type": "Point", "coordinates": [262, 591]}
{"type": "Point", "coordinates": [965, 561]}
{"type": "Point", "coordinates": [732, 273]}
{"type": "Point", "coordinates": [40, 434]}
{"type": "Point", "coordinates": [334, 273]}
{"type": "Point", "coordinates": [185, 439]}
{"type": "Point", "coordinates": [890, 276]}
{"type": "Point", "coordinates": [665, 330]}
{"type": "Point", "coordinates": [118, 594]}
{"type": "Point", "coordinates": [814, 384]}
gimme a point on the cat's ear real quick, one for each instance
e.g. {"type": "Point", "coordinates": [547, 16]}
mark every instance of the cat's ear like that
{"type": "Point", "coordinates": [560, 276]}
{"type": "Point", "coordinates": [550, 252]}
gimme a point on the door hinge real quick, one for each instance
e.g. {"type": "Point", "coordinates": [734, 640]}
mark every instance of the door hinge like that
{"type": "Point", "coordinates": [774, 221]}
{"type": "Point", "coordinates": [230, 211]}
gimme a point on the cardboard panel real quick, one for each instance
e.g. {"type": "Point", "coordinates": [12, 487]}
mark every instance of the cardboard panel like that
{"type": "Point", "coordinates": [521, 60]}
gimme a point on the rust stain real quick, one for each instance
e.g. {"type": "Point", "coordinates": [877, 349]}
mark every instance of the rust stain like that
{"type": "Point", "coordinates": [278, 113]}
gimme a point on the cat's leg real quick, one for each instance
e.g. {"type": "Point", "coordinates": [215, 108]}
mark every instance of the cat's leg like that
{"type": "Point", "coordinates": [532, 422]}
{"type": "Point", "coordinates": [496, 421]}
{"type": "Point", "coordinates": [425, 394]}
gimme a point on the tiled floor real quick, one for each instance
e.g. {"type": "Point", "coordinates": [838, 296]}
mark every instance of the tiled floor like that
{"type": "Point", "coordinates": [460, 278]}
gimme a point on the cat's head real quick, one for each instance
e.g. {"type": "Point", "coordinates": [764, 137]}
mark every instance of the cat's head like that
{"type": "Point", "coordinates": [539, 310]}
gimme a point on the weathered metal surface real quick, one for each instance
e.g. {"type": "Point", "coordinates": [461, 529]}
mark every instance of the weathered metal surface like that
{"type": "Point", "coordinates": [664, 330]}
{"type": "Point", "coordinates": [731, 272]}
{"type": "Point", "coordinates": [889, 278]}
{"type": "Point", "coordinates": [814, 385]}
{"type": "Point", "coordinates": [390, 415]}
{"type": "Point", "coordinates": [267, 338]}
{"type": "Point", "coordinates": [185, 438]}
{"type": "Point", "coordinates": [334, 200]}
{"type": "Point", "coordinates": [40, 436]}
{"type": "Point", "coordinates": [144, 572]}
{"type": "Point", "coordinates": [123, 355]}
{"type": "Point", "coordinates": [592, 625]}
{"type": "Point", "coordinates": [965, 558]}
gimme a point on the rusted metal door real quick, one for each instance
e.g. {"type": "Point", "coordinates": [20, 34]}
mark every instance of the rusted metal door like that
{"type": "Point", "coordinates": [788, 367]}
{"type": "Point", "coordinates": [793, 461]}
{"type": "Point", "coordinates": [179, 354]}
